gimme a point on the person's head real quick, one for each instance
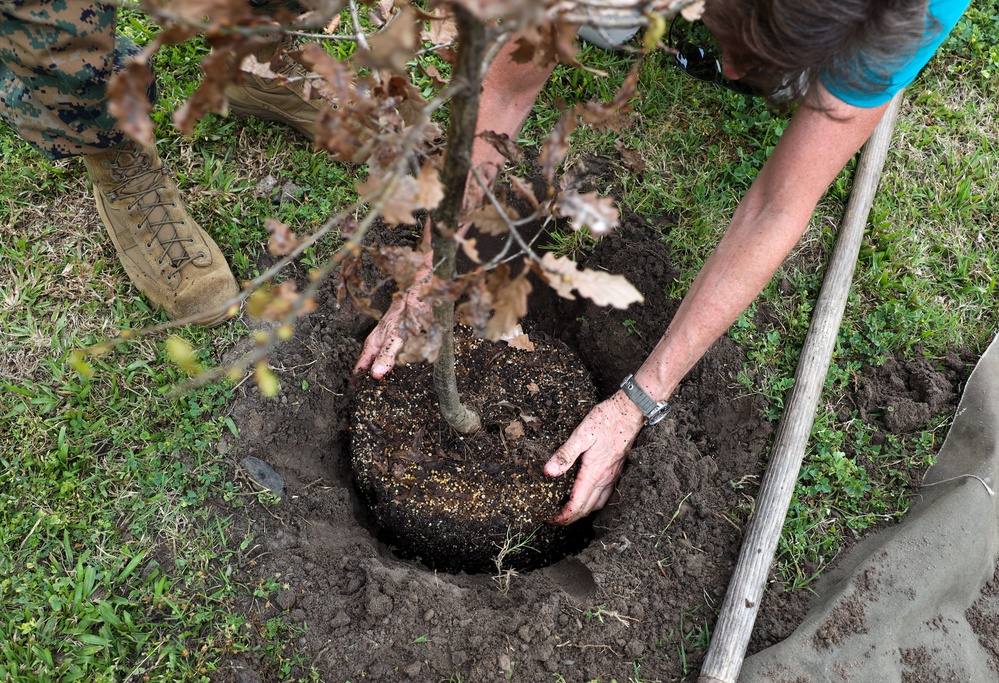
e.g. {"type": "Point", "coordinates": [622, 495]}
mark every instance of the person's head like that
{"type": "Point", "coordinates": [789, 45]}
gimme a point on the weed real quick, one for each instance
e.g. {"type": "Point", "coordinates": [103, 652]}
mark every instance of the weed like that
{"type": "Point", "coordinates": [571, 243]}
{"type": "Point", "coordinates": [598, 612]}
{"type": "Point", "coordinates": [636, 677]}
{"type": "Point", "coordinates": [514, 544]}
{"type": "Point", "coordinates": [631, 328]}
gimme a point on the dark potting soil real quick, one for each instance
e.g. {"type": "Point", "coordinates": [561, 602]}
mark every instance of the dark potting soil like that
{"type": "Point", "coordinates": [636, 603]}
{"type": "Point", "coordinates": [473, 502]}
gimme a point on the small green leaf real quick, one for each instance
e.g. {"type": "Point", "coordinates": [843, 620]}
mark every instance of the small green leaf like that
{"type": "Point", "coordinates": [654, 33]}
{"type": "Point", "coordinates": [81, 366]}
{"type": "Point", "coordinates": [182, 353]}
{"type": "Point", "coordinates": [266, 380]}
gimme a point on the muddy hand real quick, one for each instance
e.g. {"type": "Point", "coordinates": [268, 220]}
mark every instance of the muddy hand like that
{"type": "Point", "coordinates": [383, 343]}
{"type": "Point", "coordinates": [602, 439]}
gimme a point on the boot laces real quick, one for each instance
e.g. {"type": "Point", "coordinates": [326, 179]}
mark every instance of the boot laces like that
{"type": "Point", "coordinates": [141, 185]}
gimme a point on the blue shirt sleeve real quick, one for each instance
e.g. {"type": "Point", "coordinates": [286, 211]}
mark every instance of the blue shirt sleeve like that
{"type": "Point", "coordinates": [947, 13]}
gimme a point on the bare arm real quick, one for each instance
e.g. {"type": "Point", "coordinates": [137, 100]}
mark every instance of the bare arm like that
{"type": "Point", "coordinates": [509, 91]}
{"type": "Point", "coordinates": [767, 224]}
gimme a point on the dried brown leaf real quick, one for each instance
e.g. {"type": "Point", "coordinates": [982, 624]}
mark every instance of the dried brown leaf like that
{"type": "Point", "coordinates": [439, 81]}
{"type": "Point", "coordinates": [400, 205]}
{"type": "Point", "coordinates": [604, 289]}
{"type": "Point", "coordinates": [475, 311]}
{"type": "Point", "coordinates": [250, 65]}
{"type": "Point", "coordinates": [509, 300]}
{"type": "Point", "coordinates": [556, 145]}
{"type": "Point", "coordinates": [394, 45]}
{"type": "Point", "coordinates": [351, 285]}
{"type": "Point", "coordinates": [332, 27]}
{"type": "Point", "coordinates": [523, 190]}
{"type": "Point", "coordinates": [219, 67]}
{"type": "Point", "coordinates": [490, 221]}
{"type": "Point", "coordinates": [282, 240]}
{"type": "Point", "coordinates": [503, 144]}
{"type": "Point", "coordinates": [441, 27]}
{"type": "Point", "coordinates": [128, 97]}
{"type": "Point", "coordinates": [404, 264]}
{"type": "Point", "coordinates": [514, 430]}
{"type": "Point", "coordinates": [421, 337]}
{"type": "Point", "coordinates": [590, 210]}
{"type": "Point", "coordinates": [431, 189]}
{"type": "Point", "coordinates": [631, 158]}
{"type": "Point", "coordinates": [693, 11]}
{"type": "Point", "coordinates": [469, 247]}
{"type": "Point", "coordinates": [380, 12]}
{"type": "Point", "coordinates": [522, 342]}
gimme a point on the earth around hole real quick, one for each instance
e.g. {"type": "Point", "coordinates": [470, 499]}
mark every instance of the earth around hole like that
{"type": "Point", "coordinates": [638, 595]}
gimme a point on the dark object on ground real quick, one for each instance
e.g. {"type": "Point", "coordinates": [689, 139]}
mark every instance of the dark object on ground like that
{"type": "Point", "coordinates": [263, 475]}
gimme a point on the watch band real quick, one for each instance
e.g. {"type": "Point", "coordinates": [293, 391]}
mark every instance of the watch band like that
{"type": "Point", "coordinates": [653, 411]}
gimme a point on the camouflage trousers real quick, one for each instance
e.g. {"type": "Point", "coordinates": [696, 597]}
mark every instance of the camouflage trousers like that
{"type": "Point", "coordinates": [56, 57]}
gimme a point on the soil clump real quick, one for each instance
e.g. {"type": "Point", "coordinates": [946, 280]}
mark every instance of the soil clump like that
{"type": "Point", "coordinates": [457, 501]}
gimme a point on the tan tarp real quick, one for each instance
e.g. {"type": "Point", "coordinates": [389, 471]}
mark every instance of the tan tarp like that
{"type": "Point", "coordinates": [894, 609]}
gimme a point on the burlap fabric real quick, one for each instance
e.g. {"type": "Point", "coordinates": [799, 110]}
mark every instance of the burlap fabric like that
{"type": "Point", "coordinates": [896, 609]}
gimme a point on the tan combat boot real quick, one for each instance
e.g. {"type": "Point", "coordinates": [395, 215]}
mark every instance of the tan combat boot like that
{"type": "Point", "coordinates": [274, 100]}
{"type": "Point", "coordinates": [165, 252]}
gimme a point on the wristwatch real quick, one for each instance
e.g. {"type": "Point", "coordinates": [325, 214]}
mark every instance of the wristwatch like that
{"type": "Point", "coordinates": [653, 411]}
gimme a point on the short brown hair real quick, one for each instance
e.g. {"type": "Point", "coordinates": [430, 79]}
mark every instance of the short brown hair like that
{"type": "Point", "coordinates": [851, 45]}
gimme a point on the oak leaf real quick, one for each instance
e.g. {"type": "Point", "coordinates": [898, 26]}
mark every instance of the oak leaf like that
{"type": "Point", "coordinates": [505, 145]}
{"type": "Point", "coordinates": [490, 221]}
{"type": "Point", "coordinates": [431, 189]}
{"type": "Point", "coordinates": [556, 145]}
{"type": "Point", "coordinates": [469, 247]}
{"type": "Point", "coordinates": [509, 300]}
{"type": "Point", "coordinates": [631, 157]}
{"type": "Point", "coordinates": [128, 97]}
{"type": "Point", "coordinates": [399, 206]}
{"type": "Point", "coordinates": [693, 11]}
{"type": "Point", "coordinates": [522, 342]}
{"type": "Point", "coordinates": [523, 190]}
{"type": "Point", "coordinates": [590, 210]}
{"type": "Point", "coordinates": [394, 45]}
{"type": "Point", "coordinates": [441, 28]}
{"type": "Point", "coordinates": [514, 430]}
{"type": "Point", "coordinates": [282, 240]}
{"type": "Point", "coordinates": [380, 12]}
{"type": "Point", "coordinates": [603, 289]}
{"type": "Point", "coordinates": [405, 265]}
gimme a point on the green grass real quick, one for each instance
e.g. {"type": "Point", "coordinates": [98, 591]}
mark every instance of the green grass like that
{"type": "Point", "coordinates": [115, 567]}
{"type": "Point", "coordinates": [114, 563]}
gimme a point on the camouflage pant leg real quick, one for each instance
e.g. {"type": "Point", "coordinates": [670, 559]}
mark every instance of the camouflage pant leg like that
{"type": "Point", "coordinates": [55, 60]}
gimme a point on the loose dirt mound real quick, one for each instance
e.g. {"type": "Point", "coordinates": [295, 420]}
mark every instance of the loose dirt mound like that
{"type": "Point", "coordinates": [637, 603]}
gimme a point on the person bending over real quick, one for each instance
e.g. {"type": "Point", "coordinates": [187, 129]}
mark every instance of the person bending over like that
{"type": "Point", "coordinates": [843, 61]}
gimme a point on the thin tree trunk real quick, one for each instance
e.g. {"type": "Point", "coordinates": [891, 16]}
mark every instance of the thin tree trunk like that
{"type": "Point", "coordinates": [472, 44]}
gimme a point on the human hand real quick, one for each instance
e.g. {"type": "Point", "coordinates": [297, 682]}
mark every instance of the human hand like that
{"type": "Point", "coordinates": [384, 342]}
{"type": "Point", "coordinates": [602, 439]}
